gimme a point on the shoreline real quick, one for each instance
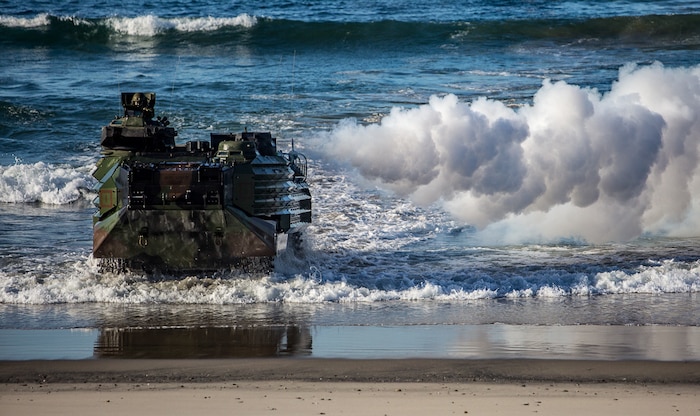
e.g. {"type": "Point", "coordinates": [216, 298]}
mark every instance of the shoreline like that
{"type": "Point", "coordinates": [347, 370]}
{"type": "Point", "coordinates": [357, 387]}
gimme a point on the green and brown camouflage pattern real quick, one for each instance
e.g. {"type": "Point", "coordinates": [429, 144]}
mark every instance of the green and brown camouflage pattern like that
{"type": "Point", "coordinates": [194, 206]}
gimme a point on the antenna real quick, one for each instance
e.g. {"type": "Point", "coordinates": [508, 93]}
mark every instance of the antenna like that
{"type": "Point", "coordinates": [172, 89]}
{"type": "Point", "coordinates": [294, 59]}
{"type": "Point", "coordinates": [119, 88]}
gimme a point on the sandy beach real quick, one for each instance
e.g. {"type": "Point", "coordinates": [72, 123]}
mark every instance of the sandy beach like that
{"type": "Point", "coordinates": [335, 387]}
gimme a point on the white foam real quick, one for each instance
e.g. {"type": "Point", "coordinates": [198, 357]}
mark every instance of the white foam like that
{"type": "Point", "coordinates": [151, 25]}
{"type": "Point", "coordinates": [79, 281]}
{"type": "Point", "coordinates": [667, 277]}
{"type": "Point", "coordinates": [144, 25]}
{"type": "Point", "coordinates": [45, 183]}
{"type": "Point", "coordinates": [39, 20]}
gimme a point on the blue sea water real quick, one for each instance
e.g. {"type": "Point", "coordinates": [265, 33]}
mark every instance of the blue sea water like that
{"type": "Point", "coordinates": [493, 162]}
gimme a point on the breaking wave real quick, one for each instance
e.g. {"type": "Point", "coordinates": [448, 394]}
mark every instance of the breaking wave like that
{"type": "Point", "coordinates": [145, 25]}
{"type": "Point", "coordinates": [72, 31]}
{"type": "Point", "coordinates": [79, 282]}
{"type": "Point", "coordinates": [45, 183]}
{"type": "Point", "coordinates": [151, 25]}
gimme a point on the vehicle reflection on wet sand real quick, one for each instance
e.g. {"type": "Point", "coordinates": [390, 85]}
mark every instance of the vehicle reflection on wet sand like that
{"type": "Point", "coordinates": [207, 342]}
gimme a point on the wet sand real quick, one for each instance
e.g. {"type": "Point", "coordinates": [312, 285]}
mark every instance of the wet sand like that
{"type": "Point", "coordinates": [363, 387]}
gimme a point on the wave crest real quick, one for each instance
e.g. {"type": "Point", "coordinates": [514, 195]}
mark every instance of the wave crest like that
{"type": "Point", "coordinates": [151, 25]}
{"type": "Point", "coordinates": [679, 30]}
{"type": "Point", "coordinates": [39, 20]}
{"type": "Point", "coordinates": [45, 183]}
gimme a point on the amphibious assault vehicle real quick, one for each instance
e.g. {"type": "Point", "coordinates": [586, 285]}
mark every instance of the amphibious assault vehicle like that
{"type": "Point", "coordinates": [234, 201]}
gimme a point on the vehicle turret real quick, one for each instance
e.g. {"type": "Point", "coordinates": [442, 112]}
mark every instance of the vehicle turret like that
{"type": "Point", "coordinates": [137, 130]}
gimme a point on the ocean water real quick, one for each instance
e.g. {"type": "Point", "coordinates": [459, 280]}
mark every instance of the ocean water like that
{"type": "Point", "coordinates": [481, 167]}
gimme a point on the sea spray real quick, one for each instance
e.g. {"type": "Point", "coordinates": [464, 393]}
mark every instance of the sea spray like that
{"type": "Point", "coordinates": [574, 163]}
{"type": "Point", "coordinates": [46, 183]}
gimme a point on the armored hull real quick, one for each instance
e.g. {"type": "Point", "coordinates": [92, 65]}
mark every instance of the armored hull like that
{"type": "Point", "coordinates": [232, 201]}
